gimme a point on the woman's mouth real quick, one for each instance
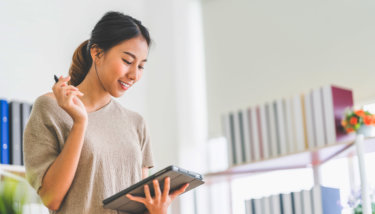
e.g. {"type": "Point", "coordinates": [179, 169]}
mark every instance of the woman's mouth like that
{"type": "Point", "coordinates": [124, 85]}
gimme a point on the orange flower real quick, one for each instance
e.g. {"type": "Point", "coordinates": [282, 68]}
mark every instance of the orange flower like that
{"type": "Point", "coordinates": [367, 120]}
{"type": "Point", "coordinates": [360, 113]}
{"type": "Point", "coordinates": [349, 130]}
{"type": "Point", "coordinates": [353, 121]}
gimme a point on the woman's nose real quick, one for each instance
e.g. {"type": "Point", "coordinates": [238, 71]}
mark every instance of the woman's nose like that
{"type": "Point", "coordinates": [133, 73]}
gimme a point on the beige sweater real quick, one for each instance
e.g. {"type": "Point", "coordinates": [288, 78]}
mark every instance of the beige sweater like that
{"type": "Point", "coordinates": [116, 147]}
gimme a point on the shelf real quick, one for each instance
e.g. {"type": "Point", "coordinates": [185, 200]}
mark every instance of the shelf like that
{"type": "Point", "coordinates": [296, 160]}
{"type": "Point", "coordinates": [15, 169]}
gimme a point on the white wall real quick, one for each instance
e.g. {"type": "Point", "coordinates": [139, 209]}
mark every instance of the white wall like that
{"type": "Point", "coordinates": [261, 50]}
{"type": "Point", "coordinates": [39, 39]}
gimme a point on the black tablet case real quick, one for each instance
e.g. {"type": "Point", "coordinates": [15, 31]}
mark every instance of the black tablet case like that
{"type": "Point", "coordinates": [178, 177]}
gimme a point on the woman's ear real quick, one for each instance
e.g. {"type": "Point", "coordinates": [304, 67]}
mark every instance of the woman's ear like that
{"type": "Point", "coordinates": [95, 52]}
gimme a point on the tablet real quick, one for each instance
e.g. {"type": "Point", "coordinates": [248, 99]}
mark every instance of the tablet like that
{"type": "Point", "coordinates": [178, 177]}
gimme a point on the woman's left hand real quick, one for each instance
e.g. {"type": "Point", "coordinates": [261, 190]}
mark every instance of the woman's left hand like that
{"type": "Point", "coordinates": [160, 203]}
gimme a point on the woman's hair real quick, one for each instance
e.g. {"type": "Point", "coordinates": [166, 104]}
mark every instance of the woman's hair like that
{"type": "Point", "coordinates": [112, 29]}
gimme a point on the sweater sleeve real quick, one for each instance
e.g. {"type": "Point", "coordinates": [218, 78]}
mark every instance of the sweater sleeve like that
{"type": "Point", "coordinates": [40, 144]}
{"type": "Point", "coordinates": [147, 157]}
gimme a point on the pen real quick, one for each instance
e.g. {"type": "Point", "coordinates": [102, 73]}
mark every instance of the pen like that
{"type": "Point", "coordinates": [56, 78]}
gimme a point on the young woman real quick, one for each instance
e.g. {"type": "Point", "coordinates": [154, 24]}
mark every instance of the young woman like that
{"type": "Point", "coordinates": [80, 145]}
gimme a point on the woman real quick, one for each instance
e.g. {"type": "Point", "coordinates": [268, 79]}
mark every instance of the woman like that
{"type": "Point", "coordinates": [80, 145]}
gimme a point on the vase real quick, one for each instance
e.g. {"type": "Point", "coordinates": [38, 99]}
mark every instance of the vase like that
{"type": "Point", "coordinates": [367, 131]}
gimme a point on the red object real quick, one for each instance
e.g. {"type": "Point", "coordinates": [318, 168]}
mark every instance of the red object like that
{"type": "Point", "coordinates": [368, 120]}
{"type": "Point", "coordinates": [350, 130]}
{"type": "Point", "coordinates": [360, 113]}
{"type": "Point", "coordinates": [353, 121]}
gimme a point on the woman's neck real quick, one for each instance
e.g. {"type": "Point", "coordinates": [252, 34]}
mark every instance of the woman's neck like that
{"type": "Point", "coordinates": [95, 97]}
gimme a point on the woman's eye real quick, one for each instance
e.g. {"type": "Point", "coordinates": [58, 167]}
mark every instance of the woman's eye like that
{"type": "Point", "coordinates": [126, 61]}
{"type": "Point", "coordinates": [141, 67]}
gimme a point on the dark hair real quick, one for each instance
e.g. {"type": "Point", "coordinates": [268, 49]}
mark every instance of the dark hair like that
{"type": "Point", "coordinates": [112, 29]}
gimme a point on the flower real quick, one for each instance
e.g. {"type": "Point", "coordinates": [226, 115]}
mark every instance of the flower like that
{"type": "Point", "coordinates": [360, 113]}
{"type": "Point", "coordinates": [353, 120]}
{"type": "Point", "coordinates": [367, 120]}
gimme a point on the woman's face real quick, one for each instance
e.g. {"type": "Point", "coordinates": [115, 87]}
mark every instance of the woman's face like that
{"type": "Point", "coordinates": [122, 66]}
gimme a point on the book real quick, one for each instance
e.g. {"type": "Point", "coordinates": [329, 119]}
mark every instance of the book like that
{"type": "Point", "coordinates": [266, 205]}
{"type": "Point", "coordinates": [297, 202]}
{"type": "Point", "coordinates": [281, 129]}
{"type": "Point", "coordinates": [263, 128]}
{"type": "Point", "coordinates": [227, 129]}
{"type": "Point", "coordinates": [237, 139]}
{"type": "Point", "coordinates": [272, 129]}
{"type": "Point", "coordinates": [298, 123]}
{"type": "Point", "coordinates": [258, 206]}
{"type": "Point", "coordinates": [254, 134]}
{"type": "Point", "coordinates": [15, 133]}
{"type": "Point", "coordinates": [25, 114]}
{"type": "Point", "coordinates": [317, 108]}
{"type": "Point", "coordinates": [307, 202]}
{"type": "Point", "coordinates": [281, 204]}
{"type": "Point", "coordinates": [287, 203]}
{"type": "Point", "coordinates": [248, 207]}
{"type": "Point", "coordinates": [326, 200]}
{"type": "Point", "coordinates": [309, 120]}
{"type": "Point", "coordinates": [336, 101]}
{"type": "Point", "coordinates": [275, 204]}
{"type": "Point", "coordinates": [4, 132]}
{"type": "Point", "coordinates": [246, 135]}
{"type": "Point", "coordinates": [242, 137]}
{"type": "Point", "coordinates": [290, 139]}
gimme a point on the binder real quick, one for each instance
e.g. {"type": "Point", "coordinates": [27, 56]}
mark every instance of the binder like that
{"type": "Point", "coordinates": [15, 133]}
{"type": "Point", "coordinates": [4, 132]}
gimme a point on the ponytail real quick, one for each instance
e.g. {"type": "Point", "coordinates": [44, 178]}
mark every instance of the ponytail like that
{"type": "Point", "coordinates": [80, 65]}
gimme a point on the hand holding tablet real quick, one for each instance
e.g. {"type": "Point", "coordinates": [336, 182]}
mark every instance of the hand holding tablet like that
{"type": "Point", "coordinates": [161, 201]}
{"type": "Point", "coordinates": [172, 180]}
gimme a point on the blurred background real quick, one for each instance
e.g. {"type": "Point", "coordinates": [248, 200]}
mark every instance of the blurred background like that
{"type": "Point", "coordinates": [208, 57]}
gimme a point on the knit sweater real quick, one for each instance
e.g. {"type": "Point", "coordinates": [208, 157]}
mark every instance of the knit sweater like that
{"type": "Point", "coordinates": [116, 146]}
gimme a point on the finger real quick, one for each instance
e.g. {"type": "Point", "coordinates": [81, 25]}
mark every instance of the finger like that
{"type": "Point", "coordinates": [72, 95]}
{"type": "Point", "coordinates": [66, 91]}
{"type": "Point", "coordinates": [65, 78]}
{"type": "Point", "coordinates": [71, 87]}
{"type": "Point", "coordinates": [77, 93]}
{"type": "Point", "coordinates": [157, 189]}
{"type": "Point", "coordinates": [167, 182]}
{"type": "Point", "coordinates": [135, 198]}
{"type": "Point", "coordinates": [179, 191]}
{"type": "Point", "coordinates": [147, 193]}
{"type": "Point", "coordinates": [63, 81]}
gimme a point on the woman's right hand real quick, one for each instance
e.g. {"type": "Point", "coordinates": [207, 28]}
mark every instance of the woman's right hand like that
{"type": "Point", "coordinates": [66, 96]}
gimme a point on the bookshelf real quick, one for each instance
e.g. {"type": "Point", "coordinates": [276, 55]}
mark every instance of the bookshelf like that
{"type": "Point", "coordinates": [308, 158]}
{"type": "Point", "coordinates": [299, 132]}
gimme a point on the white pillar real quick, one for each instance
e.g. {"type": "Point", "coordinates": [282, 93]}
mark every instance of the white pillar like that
{"type": "Point", "coordinates": [366, 202]}
{"type": "Point", "coordinates": [316, 173]}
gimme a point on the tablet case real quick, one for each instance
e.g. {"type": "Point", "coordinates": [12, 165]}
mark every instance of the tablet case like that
{"type": "Point", "coordinates": [178, 177]}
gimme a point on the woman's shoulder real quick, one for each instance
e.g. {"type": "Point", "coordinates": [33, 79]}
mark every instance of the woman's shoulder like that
{"type": "Point", "coordinates": [45, 103]}
{"type": "Point", "coordinates": [46, 98]}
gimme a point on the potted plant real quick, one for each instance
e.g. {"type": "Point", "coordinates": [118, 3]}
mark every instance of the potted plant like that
{"type": "Point", "coordinates": [359, 121]}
